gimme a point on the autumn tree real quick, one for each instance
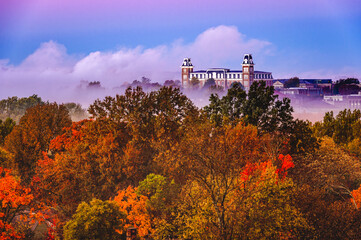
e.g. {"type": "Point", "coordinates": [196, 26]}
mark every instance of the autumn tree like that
{"type": "Point", "coordinates": [264, 205]}
{"type": "Point", "coordinates": [158, 117]}
{"type": "Point", "coordinates": [14, 200]}
{"type": "Point", "coordinates": [33, 134]}
{"type": "Point", "coordinates": [330, 168]}
{"type": "Point", "coordinates": [135, 208]}
{"type": "Point", "coordinates": [86, 162]}
{"type": "Point", "coordinates": [162, 204]}
{"type": "Point", "coordinates": [96, 220]}
{"type": "Point", "coordinates": [212, 158]}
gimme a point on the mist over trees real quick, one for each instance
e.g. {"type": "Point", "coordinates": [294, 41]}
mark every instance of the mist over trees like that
{"type": "Point", "coordinates": [239, 168]}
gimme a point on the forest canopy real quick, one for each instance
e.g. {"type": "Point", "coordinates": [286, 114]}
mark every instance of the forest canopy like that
{"type": "Point", "coordinates": [151, 161]}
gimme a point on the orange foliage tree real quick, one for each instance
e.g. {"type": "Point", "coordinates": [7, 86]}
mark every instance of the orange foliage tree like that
{"type": "Point", "coordinates": [32, 136]}
{"type": "Point", "coordinates": [14, 199]}
{"type": "Point", "coordinates": [135, 208]}
{"type": "Point", "coordinates": [86, 163]}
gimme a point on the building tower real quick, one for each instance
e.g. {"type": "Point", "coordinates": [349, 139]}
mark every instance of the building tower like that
{"type": "Point", "coordinates": [187, 68]}
{"type": "Point", "coordinates": [247, 71]}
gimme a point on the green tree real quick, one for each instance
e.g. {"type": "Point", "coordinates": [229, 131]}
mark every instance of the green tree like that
{"type": "Point", "coordinates": [162, 204]}
{"type": "Point", "coordinates": [96, 220]}
{"type": "Point", "coordinates": [229, 106]}
{"type": "Point", "coordinates": [32, 136]}
{"type": "Point", "coordinates": [15, 107]}
{"type": "Point", "coordinates": [76, 111]}
{"type": "Point", "coordinates": [302, 139]}
{"type": "Point", "coordinates": [194, 83]}
{"type": "Point", "coordinates": [209, 83]}
{"type": "Point", "coordinates": [259, 107]}
{"type": "Point", "coordinates": [5, 129]}
{"type": "Point", "coordinates": [292, 82]}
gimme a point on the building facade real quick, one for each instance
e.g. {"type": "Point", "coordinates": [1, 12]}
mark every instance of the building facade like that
{"type": "Point", "coordinates": [224, 77]}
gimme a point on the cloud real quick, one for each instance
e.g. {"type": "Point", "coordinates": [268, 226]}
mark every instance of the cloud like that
{"type": "Point", "coordinates": [54, 74]}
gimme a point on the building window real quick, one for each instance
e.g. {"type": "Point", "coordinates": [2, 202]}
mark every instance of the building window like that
{"type": "Point", "coordinates": [245, 69]}
{"type": "Point", "coordinates": [185, 77]}
{"type": "Point", "coordinates": [245, 76]}
{"type": "Point", "coordinates": [184, 70]}
{"type": "Point", "coordinates": [237, 75]}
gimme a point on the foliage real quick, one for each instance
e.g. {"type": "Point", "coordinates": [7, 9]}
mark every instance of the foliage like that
{"type": "Point", "coordinates": [343, 128]}
{"type": "Point", "coordinates": [265, 195]}
{"type": "Point", "coordinates": [302, 139]}
{"type": "Point", "coordinates": [96, 220]}
{"type": "Point", "coordinates": [332, 169]}
{"type": "Point", "coordinates": [209, 83]}
{"type": "Point", "coordinates": [212, 158]}
{"type": "Point", "coordinates": [86, 149]}
{"type": "Point", "coordinates": [162, 204]}
{"type": "Point", "coordinates": [346, 86]}
{"type": "Point", "coordinates": [14, 200]}
{"type": "Point", "coordinates": [5, 128]}
{"type": "Point", "coordinates": [32, 136]}
{"type": "Point", "coordinates": [152, 119]}
{"type": "Point", "coordinates": [292, 82]}
{"type": "Point", "coordinates": [194, 83]}
{"type": "Point", "coordinates": [15, 107]}
{"type": "Point", "coordinates": [76, 111]}
{"type": "Point", "coordinates": [259, 107]}
{"type": "Point", "coordinates": [135, 208]}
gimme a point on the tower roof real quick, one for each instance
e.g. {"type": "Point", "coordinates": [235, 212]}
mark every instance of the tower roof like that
{"type": "Point", "coordinates": [187, 62]}
{"type": "Point", "coordinates": [247, 59]}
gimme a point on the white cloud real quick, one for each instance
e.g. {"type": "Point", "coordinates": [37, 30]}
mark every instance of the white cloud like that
{"type": "Point", "coordinates": [53, 74]}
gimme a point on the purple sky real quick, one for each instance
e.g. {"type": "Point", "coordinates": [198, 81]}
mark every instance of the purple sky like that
{"type": "Point", "coordinates": [49, 46]}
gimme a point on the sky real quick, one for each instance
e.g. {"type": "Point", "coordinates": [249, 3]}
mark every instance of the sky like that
{"type": "Point", "coordinates": [51, 47]}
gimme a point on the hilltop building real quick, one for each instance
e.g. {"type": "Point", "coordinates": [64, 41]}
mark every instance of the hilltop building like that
{"type": "Point", "coordinates": [224, 77]}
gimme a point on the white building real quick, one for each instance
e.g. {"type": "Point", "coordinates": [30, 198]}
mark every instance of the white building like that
{"type": "Point", "coordinates": [224, 77]}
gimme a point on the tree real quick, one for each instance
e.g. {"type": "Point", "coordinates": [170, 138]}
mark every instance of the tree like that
{"type": "Point", "coordinates": [230, 106]}
{"type": "Point", "coordinates": [5, 129]}
{"type": "Point", "coordinates": [135, 208]}
{"type": "Point", "coordinates": [194, 83]}
{"type": "Point", "coordinates": [85, 150]}
{"type": "Point", "coordinates": [343, 128]}
{"type": "Point", "coordinates": [292, 82]}
{"type": "Point", "coordinates": [96, 220]}
{"type": "Point", "coordinates": [212, 158]}
{"type": "Point", "coordinates": [162, 204]}
{"type": "Point", "coordinates": [332, 169]}
{"type": "Point", "coordinates": [209, 83]}
{"type": "Point", "coordinates": [268, 210]}
{"type": "Point", "coordinates": [154, 119]}
{"type": "Point", "coordinates": [14, 200]}
{"type": "Point", "coordinates": [259, 107]}
{"type": "Point", "coordinates": [302, 139]}
{"type": "Point", "coordinates": [15, 107]}
{"type": "Point", "coordinates": [346, 86]}
{"type": "Point", "coordinates": [32, 136]}
{"type": "Point", "coordinates": [76, 111]}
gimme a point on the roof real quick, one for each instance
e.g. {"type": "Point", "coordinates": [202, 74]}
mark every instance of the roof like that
{"type": "Point", "coordinates": [307, 80]}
